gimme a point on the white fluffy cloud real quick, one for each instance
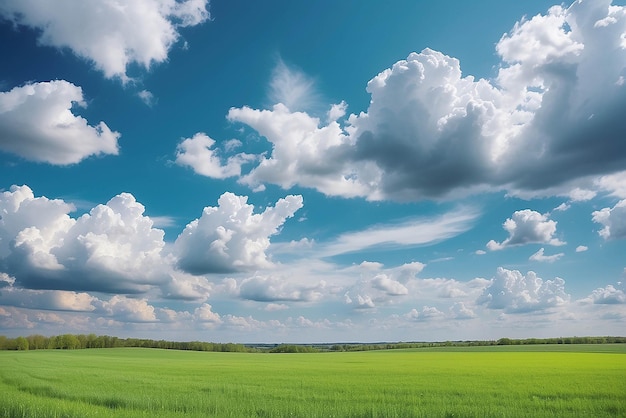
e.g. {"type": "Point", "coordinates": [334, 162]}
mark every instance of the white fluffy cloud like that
{"type": "Point", "coordinates": [278, 289]}
{"type": "Point", "coordinates": [205, 315]}
{"type": "Point", "coordinates": [511, 292]}
{"type": "Point", "coordinates": [379, 286]}
{"type": "Point", "coordinates": [613, 219]}
{"type": "Point", "coordinates": [565, 69]}
{"type": "Point", "coordinates": [460, 311]}
{"type": "Point", "coordinates": [527, 227]}
{"type": "Point", "coordinates": [187, 287]}
{"type": "Point", "coordinates": [389, 286]}
{"type": "Point", "coordinates": [608, 295]}
{"type": "Point", "coordinates": [428, 313]}
{"type": "Point", "coordinates": [37, 123]}
{"type": "Point", "coordinates": [547, 120]}
{"type": "Point", "coordinates": [110, 33]}
{"type": "Point", "coordinates": [303, 153]}
{"type": "Point", "coordinates": [21, 212]}
{"type": "Point", "coordinates": [112, 248]}
{"type": "Point", "coordinates": [230, 237]}
{"type": "Point", "coordinates": [615, 184]}
{"type": "Point", "coordinates": [125, 309]}
{"type": "Point", "coordinates": [198, 153]}
{"type": "Point", "coordinates": [116, 248]}
{"type": "Point", "coordinates": [361, 302]}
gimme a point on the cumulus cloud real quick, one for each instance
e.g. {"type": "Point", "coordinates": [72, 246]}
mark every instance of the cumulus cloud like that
{"type": "Point", "coordinates": [230, 237]}
{"type": "Point", "coordinates": [21, 211]}
{"type": "Point", "coordinates": [547, 120]}
{"type": "Point", "coordinates": [247, 323]}
{"type": "Point", "coordinates": [362, 302]}
{"type": "Point", "coordinates": [125, 309]}
{"type": "Point", "coordinates": [379, 286]}
{"type": "Point", "coordinates": [608, 295]}
{"type": "Point", "coordinates": [205, 315]}
{"type": "Point", "coordinates": [408, 271]}
{"type": "Point", "coordinates": [427, 127]}
{"type": "Point", "coordinates": [113, 248]}
{"type": "Point", "coordinates": [539, 256]}
{"type": "Point", "coordinates": [574, 66]}
{"type": "Point", "coordinates": [460, 311]}
{"type": "Point", "coordinates": [113, 242]}
{"type": "Point", "coordinates": [303, 152]}
{"type": "Point", "coordinates": [187, 287]}
{"type": "Point", "coordinates": [562, 207]}
{"type": "Point", "coordinates": [37, 123]}
{"type": "Point", "coordinates": [166, 315]}
{"type": "Point", "coordinates": [111, 34]}
{"type": "Point", "coordinates": [615, 184]}
{"type": "Point", "coordinates": [581, 248]}
{"type": "Point", "coordinates": [613, 219]}
{"type": "Point", "coordinates": [527, 227]}
{"type": "Point", "coordinates": [428, 313]}
{"type": "Point", "coordinates": [512, 292]}
{"type": "Point", "coordinates": [199, 153]}
{"type": "Point", "coordinates": [389, 286]}
{"type": "Point", "coordinates": [307, 323]}
{"type": "Point", "coordinates": [278, 289]}
{"type": "Point", "coordinates": [446, 288]}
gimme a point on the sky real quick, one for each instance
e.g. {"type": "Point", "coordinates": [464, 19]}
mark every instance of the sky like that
{"type": "Point", "coordinates": [281, 171]}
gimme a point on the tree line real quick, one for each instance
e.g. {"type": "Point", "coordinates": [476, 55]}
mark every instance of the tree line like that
{"type": "Point", "coordinates": [82, 341]}
{"type": "Point", "coordinates": [477, 343]}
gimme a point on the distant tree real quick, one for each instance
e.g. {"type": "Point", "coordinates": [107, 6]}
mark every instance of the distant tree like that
{"type": "Point", "coordinates": [69, 342]}
{"type": "Point", "coordinates": [92, 341]}
{"type": "Point", "coordinates": [21, 343]}
{"type": "Point", "coordinates": [82, 339]}
{"type": "Point", "coordinates": [505, 341]}
{"type": "Point", "coordinates": [292, 348]}
{"type": "Point", "coordinates": [52, 342]}
{"type": "Point", "coordinates": [37, 342]}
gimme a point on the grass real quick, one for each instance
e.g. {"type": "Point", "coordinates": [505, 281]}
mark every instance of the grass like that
{"type": "Point", "coordinates": [576, 381]}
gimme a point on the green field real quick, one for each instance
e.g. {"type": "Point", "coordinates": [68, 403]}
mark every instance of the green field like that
{"type": "Point", "coordinates": [512, 381]}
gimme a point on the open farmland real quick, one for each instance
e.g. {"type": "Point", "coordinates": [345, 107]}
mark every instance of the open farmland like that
{"type": "Point", "coordinates": [585, 380]}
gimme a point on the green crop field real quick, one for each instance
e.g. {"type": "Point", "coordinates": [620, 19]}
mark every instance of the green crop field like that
{"type": "Point", "coordinates": [519, 381]}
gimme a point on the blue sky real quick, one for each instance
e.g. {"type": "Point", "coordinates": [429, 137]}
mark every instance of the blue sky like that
{"type": "Point", "coordinates": [313, 172]}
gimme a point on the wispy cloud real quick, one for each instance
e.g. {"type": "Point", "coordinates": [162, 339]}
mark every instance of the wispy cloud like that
{"type": "Point", "coordinates": [163, 221]}
{"type": "Point", "coordinates": [147, 97]}
{"type": "Point", "coordinates": [412, 232]}
{"type": "Point", "coordinates": [292, 88]}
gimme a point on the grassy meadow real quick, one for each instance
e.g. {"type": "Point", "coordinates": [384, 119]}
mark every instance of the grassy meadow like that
{"type": "Point", "coordinates": [500, 381]}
